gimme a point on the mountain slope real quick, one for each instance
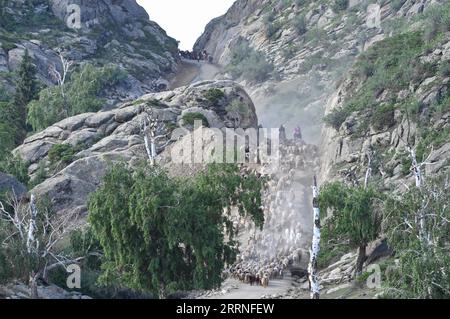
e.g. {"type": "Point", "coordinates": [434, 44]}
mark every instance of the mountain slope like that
{"type": "Point", "coordinates": [109, 32]}
{"type": "Point", "coordinates": [309, 44]}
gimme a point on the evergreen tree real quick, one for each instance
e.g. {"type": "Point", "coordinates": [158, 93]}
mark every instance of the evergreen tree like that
{"type": "Point", "coordinates": [162, 234]}
{"type": "Point", "coordinates": [26, 91]}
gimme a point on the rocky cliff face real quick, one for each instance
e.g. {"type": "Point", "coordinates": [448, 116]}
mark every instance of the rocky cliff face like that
{"type": "Point", "coordinates": [312, 47]}
{"type": "Point", "coordinates": [414, 114]}
{"type": "Point", "coordinates": [98, 32]}
{"type": "Point", "coordinates": [94, 140]}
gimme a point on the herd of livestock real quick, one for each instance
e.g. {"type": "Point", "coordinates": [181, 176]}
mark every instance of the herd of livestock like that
{"type": "Point", "coordinates": [278, 249]}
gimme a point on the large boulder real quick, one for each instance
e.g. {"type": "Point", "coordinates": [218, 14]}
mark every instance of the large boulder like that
{"type": "Point", "coordinates": [99, 139]}
{"type": "Point", "coordinates": [9, 184]}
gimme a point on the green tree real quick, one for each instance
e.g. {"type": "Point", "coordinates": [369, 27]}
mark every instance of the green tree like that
{"type": "Point", "coordinates": [15, 166]}
{"type": "Point", "coordinates": [83, 93]}
{"type": "Point", "coordinates": [162, 234]}
{"type": "Point", "coordinates": [356, 216]}
{"type": "Point", "coordinates": [422, 271]}
{"type": "Point", "coordinates": [26, 91]}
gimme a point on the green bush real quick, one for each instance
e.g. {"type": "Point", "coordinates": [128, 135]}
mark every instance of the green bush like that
{"type": "Point", "coordinates": [383, 117]}
{"type": "Point", "coordinates": [272, 29]}
{"type": "Point", "coordinates": [290, 51]}
{"type": "Point", "coordinates": [422, 269]}
{"type": "Point", "coordinates": [397, 4]}
{"type": "Point", "coordinates": [336, 118]}
{"type": "Point", "coordinates": [40, 175]}
{"type": "Point", "coordinates": [300, 25]}
{"type": "Point", "coordinates": [83, 93]}
{"type": "Point", "coordinates": [190, 118]}
{"type": "Point", "coordinates": [61, 154]}
{"type": "Point", "coordinates": [248, 63]}
{"type": "Point", "coordinates": [444, 69]}
{"type": "Point", "coordinates": [214, 96]}
{"type": "Point", "coordinates": [15, 166]}
{"type": "Point", "coordinates": [340, 5]}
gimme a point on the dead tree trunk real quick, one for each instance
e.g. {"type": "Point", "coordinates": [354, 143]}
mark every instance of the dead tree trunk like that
{"type": "Point", "coordinates": [419, 181]}
{"type": "Point", "coordinates": [153, 130]}
{"type": "Point", "coordinates": [315, 248]}
{"type": "Point", "coordinates": [32, 224]}
{"type": "Point", "coordinates": [361, 259]}
{"type": "Point", "coordinates": [33, 285]}
{"type": "Point", "coordinates": [31, 249]}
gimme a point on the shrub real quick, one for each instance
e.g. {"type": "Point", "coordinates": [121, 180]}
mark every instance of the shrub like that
{"type": "Point", "coordinates": [83, 93]}
{"type": "Point", "coordinates": [383, 117]}
{"type": "Point", "coordinates": [15, 166]}
{"type": "Point", "coordinates": [340, 5]}
{"type": "Point", "coordinates": [289, 51]}
{"type": "Point", "coordinates": [249, 63]}
{"type": "Point", "coordinates": [397, 4]}
{"type": "Point", "coordinates": [272, 29]}
{"type": "Point", "coordinates": [444, 69]}
{"type": "Point", "coordinates": [300, 25]}
{"type": "Point", "coordinates": [40, 176]}
{"type": "Point", "coordinates": [61, 154]}
{"type": "Point", "coordinates": [214, 96]}
{"type": "Point", "coordinates": [336, 118]}
{"type": "Point", "coordinates": [422, 269]}
{"type": "Point", "coordinates": [190, 118]}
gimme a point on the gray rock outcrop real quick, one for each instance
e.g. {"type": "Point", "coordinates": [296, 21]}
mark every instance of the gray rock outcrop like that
{"type": "Point", "coordinates": [111, 32]}
{"type": "Point", "coordinates": [111, 136]}
{"type": "Point", "coordinates": [9, 184]}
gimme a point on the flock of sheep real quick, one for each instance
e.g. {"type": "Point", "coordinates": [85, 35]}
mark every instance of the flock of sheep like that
{"type": "Point", "coordinates": [272, 252]}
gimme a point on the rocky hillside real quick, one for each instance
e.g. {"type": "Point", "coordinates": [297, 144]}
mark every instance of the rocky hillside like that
{"type": "Point", "coordinates": [68, 160]}
{"type": "Point", "coordinates": [103, 33]}
{"type": "Point", "coordinates": [378, 114]}
{"type": "Point", "coordinates": [299, 50]}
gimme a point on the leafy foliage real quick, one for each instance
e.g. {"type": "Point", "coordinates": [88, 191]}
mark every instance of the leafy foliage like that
{"type": "Point", "coordinates": [300, 25]}
{"type": "Point", "coordinates": [356, 216]}
{"type": "Point", "coordinates": [214, 95]}
{"type": "Point", "coordinates": [249, 63]}
{"type": "Point", "coordinates": [17, 263]}
{"type": "Point", "coordinates": [162, 234]}
{"type": "Point", "coordinates": [389, 66]}
{"type": "Point", "coordinates": [82, 94]}
{"type": "Point", "coordinates": [61, 154]}
{"type": "Point", "coordinates": [26, 91]}
{"type": "Point", "coordinates": [340, 5]}
{"type": "Point", "coordinates": [15, 166]}
{"type": "Point", "coordinates": [190, 118]}
{"type": "Point", "coordinates": [423, 268]}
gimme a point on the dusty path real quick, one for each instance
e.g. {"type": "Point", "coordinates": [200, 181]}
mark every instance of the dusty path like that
{"type": "Point", "coordinates": [190, 71]}
{"type": "Point", "coordinates": [237, 290]}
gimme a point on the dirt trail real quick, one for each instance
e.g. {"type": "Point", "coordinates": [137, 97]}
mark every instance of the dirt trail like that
{"type": "Point", "coordinates": [237, 290]}
{"type": "Point", "coordinates": [190, 71]}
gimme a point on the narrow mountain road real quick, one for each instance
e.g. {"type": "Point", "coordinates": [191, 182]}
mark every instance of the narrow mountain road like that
{"type": "Point", "coordinates": [190, 71]}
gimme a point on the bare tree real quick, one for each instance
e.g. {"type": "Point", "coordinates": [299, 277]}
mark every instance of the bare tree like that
{"type": "Point", "coordinates": [153, 130]}
{"type": "Point", "coordinates": [37, 233]}
{"type": "Point", "coordinates": [60, 77]}
{"type": "Point", "coordinates": [315, 248]}
{"type": "Point", "coordinates": [418, 175]}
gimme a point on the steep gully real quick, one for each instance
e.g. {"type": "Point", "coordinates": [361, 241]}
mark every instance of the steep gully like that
{"type": "Point", "coordinates": [288, 211]}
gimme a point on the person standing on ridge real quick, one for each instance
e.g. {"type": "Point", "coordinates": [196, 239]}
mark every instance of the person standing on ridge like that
{"type": "Point", "coordinates": [283, 137]}
{"type": "Point", "coordinates": [298, 133]}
